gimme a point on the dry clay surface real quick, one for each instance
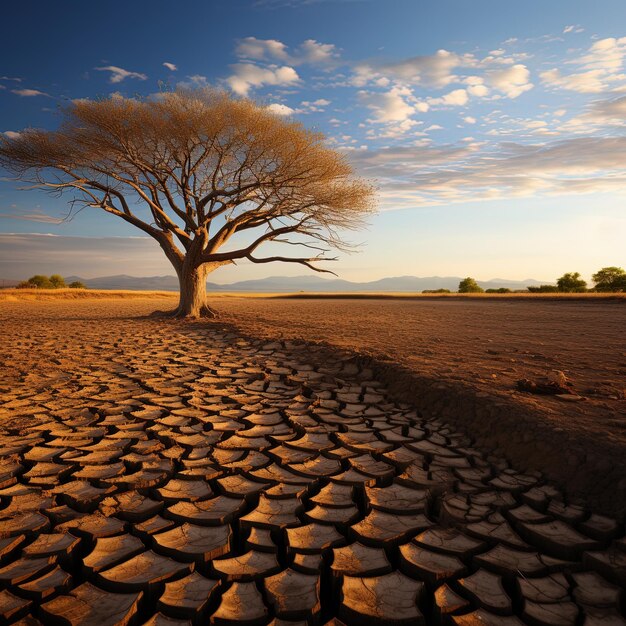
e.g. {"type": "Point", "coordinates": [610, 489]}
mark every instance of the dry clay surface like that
{"type": "Point", "coordinates": [163, 472]}
{"type": "Point", "coordinates": [462, 359]}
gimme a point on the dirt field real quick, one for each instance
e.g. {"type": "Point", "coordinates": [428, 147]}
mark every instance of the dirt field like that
{"type": "Point", "coordinates": [157, 470]}
{"type": "Point", "coordinates": [478, 349]}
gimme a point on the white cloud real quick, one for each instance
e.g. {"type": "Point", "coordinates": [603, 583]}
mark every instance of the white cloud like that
{"type": "Point", "coordinates": [119, 74]}
{"type": "Point", "coordinates": [512, 81]}
{"type": "Point", "coordinates": [455, 98]}
{"type": "Point", "coordinates": [248, 76]}
{"type": "Point", "coordinates": [29, 93]}
{"type": "Point", "coordinates": [308, 52]}
{"type": "Point", "coordinates": [170, 66]}
{"type": "Point", "coordinates": [261, 49]}
{"type": "Point", "coordinates": [314, 52]}
{"type": "Point", "coordinates": [434, 175]}
{"type": "Point", "coordinates": [433, 127]}
{"type": "Point", "coordinates": [435, 70]}
{"type": "Point", "coordinates": [391, 106]}
{"type": "Point", "coordinates": [599, 69]}
{"type": "Point", "coordinates": [583, 82]}
{"type": "Point", "coordinates": [573, 28]}
{"type": "Point", "coordinates": [280, 109]}
{"type": "Point", "coordinates": [11, 134]}
{"type": "Point", "coordinates": [469, 120]}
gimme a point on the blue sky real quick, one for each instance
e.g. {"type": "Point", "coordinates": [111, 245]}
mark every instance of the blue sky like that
{"type": "Point", "coordinates": [494, 131]}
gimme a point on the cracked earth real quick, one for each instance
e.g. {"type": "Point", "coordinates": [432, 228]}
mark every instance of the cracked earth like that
{"type": "Point", "coordinates": [163, 472]}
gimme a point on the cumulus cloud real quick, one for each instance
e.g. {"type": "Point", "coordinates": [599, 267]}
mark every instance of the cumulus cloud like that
{"type": "Point", "coordinates": [512, 81]}
{"type": "Point", "coordinates": [598, 70]}
{"type": "Point", "coordinates": [477, 76]}
{"type": "Point", "coordinates": [280, 109]}
{"type": "Point", "coordinates": [435, 70]}
{"type": "Point", "coordinates": [29, 93]}
{"type": "Point", "coordinates": [308, 52]}
{"type": "Point", "coordinates": [261, 49]}
{"type": "Point", "coordinates": [170, 66]}
{"type": "Point", "coordinates": [247, 76]}
{"type": "Point", "coordinates": [119, 74]}
{"type": "Point", "coordinates": [455, 98]}
{"type": "Point", "coordinates": [469, 120]}
{"type": "Point", "coordinates": [391, 106]}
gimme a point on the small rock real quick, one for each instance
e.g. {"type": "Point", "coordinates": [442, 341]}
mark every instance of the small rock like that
{"type": "Point", "coordinates": [568, 397]}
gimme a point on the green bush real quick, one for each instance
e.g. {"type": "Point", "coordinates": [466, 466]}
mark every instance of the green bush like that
{"type": "Point", "coordinates": [610, 279]}
{"type": "Point", "coordinates": [77, 285]}
{"type": "Point", "coordinates": [499, 290]}
{"type": "Point", "coordinates": [469, 285]}
{"type": "Point", "coordinates": [58, 282]}
{"type": "Point", "coordinates": [571, 283]}
{"type": "Point", "coordinates": [544, 289]}
{"type": "Point", "coordinates": [39, 281]}
{"type": "Point", "coordinates": [436, 291]}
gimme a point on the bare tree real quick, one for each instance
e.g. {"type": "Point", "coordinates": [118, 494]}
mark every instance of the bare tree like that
{"type": "Point", "coordinates": [193, 169]}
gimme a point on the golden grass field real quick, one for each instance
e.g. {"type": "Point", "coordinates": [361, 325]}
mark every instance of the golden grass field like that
{"type": "Point", "coordinates": [76, 294]}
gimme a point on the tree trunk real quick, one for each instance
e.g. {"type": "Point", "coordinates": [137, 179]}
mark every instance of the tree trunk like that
{"type": "Point", "coordinates": [192, 303]}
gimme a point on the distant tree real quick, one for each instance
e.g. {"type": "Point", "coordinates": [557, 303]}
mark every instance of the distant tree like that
{"type": "Point", "coordinates": [25, 285]}
{"type": "Point", "coordinates": [77, 285]}
{"type": "Point", "coordinates": [610, 279]}
{"type": "Point", "coordinates": [58, 282]}
{"type": "Point", "coordinates": [436, 291]}
{"type": "Point", "coordinates": [571, 283]}
{"type": "Point", "coordinates": [469, 285]}
{"type": "Point", "coordinates": [39, 281]}
{"type": "Point", "coordinates": [499, 290]}
{"type": "Point", "coordinates": [206, 170]}
{"type": "Point", "coordinates": [544, 289]}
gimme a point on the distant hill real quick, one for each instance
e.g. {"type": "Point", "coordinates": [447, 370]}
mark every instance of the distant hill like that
{"type": "Point", "coordinates": [301, 283]}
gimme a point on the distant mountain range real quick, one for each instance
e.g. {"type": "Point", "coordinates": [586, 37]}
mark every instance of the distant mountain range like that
{"type": "Point", "coordinates": [289, 284]}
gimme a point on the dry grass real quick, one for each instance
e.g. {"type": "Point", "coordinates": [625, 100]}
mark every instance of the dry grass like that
{"type": "Point", "coordinates": [13, 295]}
{"type": "Point", "coordinates": [80, 294]}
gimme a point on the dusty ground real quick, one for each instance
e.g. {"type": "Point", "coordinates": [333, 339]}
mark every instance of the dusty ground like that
{"type": "Point", "coordinates": [477, 350]}
{"type": "Point", "coordinates": [164, 472]}
{"type": "Point", "coordinates": [488, 345]}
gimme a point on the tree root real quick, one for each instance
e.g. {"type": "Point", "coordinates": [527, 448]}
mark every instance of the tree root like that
{"type": "Point", "coordinates": [206, 312]}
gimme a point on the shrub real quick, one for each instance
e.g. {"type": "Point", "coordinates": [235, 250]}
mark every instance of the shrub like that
{"type": "Point", "coordinates": [58, 282]}
{"type": "Point", "coordinates": [436, 291]}
{"type": "Point", "coordinates": [499, 290]}
{"type": "Point", "coordinates": [610, 279]}
{"type": "Point", "coordinates": [571, 283]}
{"type": "Point", "coordinates": [40, 282]}
{"type": "Point", "coordinates": [544, 289]}
{"type": "Point", "coordinates": [77, 285]}
{"type": "Point", "coordinates": [469, 285]}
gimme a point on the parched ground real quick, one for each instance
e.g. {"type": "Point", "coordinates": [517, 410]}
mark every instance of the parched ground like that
{"type": "Point", "coordinates": [461, 359]}
{"type": "Point", "coordinates": [166, 472]}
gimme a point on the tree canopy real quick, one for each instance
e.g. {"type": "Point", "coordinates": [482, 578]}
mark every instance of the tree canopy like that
{"type": "Point", "coordinates": [469, 285]}
{"type": "Point", "coordinates": [571, 283]}
{"type": "Point", "coordinates": [193, 169]}
{"type": "Point", "coordinates": [610, 279]}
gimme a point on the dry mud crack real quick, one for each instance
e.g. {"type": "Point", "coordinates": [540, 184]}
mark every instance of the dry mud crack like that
{"type": "Point", "coordinates": [165, 473]}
